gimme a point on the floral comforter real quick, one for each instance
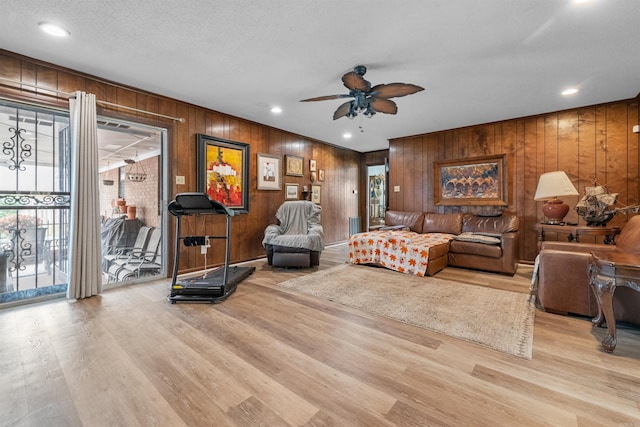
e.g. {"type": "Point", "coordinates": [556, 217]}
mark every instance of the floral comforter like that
{"type": "Point", "coordinates": [403, 251]}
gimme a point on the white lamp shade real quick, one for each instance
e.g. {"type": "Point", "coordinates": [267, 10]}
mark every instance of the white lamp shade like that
{"type": "Point", "coordinates": [554, 184]}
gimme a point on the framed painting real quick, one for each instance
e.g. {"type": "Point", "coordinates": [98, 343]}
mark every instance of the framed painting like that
{"type": "Point", "coordinates": [312, 165]}
{"type": "Point", "coordinates": [269, 172]}
{"type": "Point", "coordinates": [291, 191]}
{"type": "Point", "coordinates": [223, 171]}
{"type": "Point", "coordinates": [471, 181]}
{"type": "Point", "coordinates": [315, 194]}
{"type": "Point", "coordinates": [321, 175]}
{"type": "Point", "coordinates": [294, 165]}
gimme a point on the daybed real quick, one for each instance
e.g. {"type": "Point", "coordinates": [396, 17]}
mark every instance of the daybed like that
{"type": "Point", "coordinates": [423, 243]}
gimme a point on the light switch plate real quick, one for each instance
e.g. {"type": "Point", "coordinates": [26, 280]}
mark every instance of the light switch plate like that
{"type": "Point", "coordinates": [396, 188]}
{"type": "Point", "coordinates": [179, 180]}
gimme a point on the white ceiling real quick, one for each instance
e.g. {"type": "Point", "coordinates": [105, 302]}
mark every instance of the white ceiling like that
{"type": "Point", "coordinates": [479, 61]}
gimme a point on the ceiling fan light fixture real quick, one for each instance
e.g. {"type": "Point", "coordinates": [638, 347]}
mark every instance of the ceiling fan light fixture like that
{"type": "Point", "coordinates": [369, 112]}
{"type": "Point", "coordinates": [367, 100]}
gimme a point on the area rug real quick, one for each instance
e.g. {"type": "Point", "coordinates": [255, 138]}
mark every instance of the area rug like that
{"type": "Point", "coordinates": [497, 319]}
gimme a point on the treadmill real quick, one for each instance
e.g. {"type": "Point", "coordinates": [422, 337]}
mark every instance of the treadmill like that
{"type": "Point", "coordinates": [217, 285]}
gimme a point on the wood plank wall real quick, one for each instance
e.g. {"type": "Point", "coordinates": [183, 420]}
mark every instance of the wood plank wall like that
{"type": "Point", "coordinates": [587, 143]}
{"type": "Point", "coordinates": [341, 166]}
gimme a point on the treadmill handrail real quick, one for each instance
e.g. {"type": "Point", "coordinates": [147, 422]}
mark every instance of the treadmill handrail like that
{"type": "Point", "coordinates": [197, 204]}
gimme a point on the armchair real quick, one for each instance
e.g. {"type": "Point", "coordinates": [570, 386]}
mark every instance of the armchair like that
{"type": "Point", "coordinates": [298, 239]}
{"type": "Point", "coordinates": [563, 279]}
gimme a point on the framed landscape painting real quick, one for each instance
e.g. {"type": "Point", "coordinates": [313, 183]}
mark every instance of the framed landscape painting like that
{"type": "Point", "coordinates": [223, 171]}
{"type": "Point", "coordinates": [291, 191]}
{"type": "Point", "coordinates": [471, 181]}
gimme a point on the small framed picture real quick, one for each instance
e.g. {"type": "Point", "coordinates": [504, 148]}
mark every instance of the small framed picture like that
{"type": "Point", "coordinates": [313, 176]}
{"type": "Point", "coordinates": [269, 172]}
{"type": "Point", "coordinates": [294, 165]}
{"type": "Point", "coordinates": [312, 165]}
{"type": "Point", "coordinates": [291, 191]}
{"type": "Point", "coordinates": [321, 175]}
{"type": "Point", "coordinates": [315, 194]}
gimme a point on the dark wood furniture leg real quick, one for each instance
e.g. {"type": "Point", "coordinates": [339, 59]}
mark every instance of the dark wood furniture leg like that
{"type": "Point", "coordinates": [604, 287]}
{"type": "Point", "coordinates": [605, 275]}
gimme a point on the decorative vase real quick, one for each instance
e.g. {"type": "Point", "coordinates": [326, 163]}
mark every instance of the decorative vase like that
{"type": "Point", "coordinates": [122, 205]}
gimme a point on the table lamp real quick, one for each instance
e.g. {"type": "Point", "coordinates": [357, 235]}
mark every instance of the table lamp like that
{"type": "Point", "coordinates": [551, 186]}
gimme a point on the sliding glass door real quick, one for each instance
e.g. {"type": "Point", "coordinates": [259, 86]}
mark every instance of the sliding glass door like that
{"type": "Point", "coordinates": [35, 201]}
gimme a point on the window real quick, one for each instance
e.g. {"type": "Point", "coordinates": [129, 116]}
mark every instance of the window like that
{"type": "Point", "coordinates": [34, 201]}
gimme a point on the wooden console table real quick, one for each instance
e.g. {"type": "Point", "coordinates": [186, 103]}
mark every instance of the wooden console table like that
{"type": "Point", "coordinates": [574, 232]}
{"type": "Point", "coordinates": [606, 273]}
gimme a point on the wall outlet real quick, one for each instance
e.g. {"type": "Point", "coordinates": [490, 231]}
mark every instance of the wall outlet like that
{"type": "Point", "coordinates": [636, 129]}
{"type": "Point", "coordinates": [396, 188]}
{"type": "Point", "coordinates": [179, 180]}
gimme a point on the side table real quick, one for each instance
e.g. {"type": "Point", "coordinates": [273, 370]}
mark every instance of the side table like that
{"type": "Point", "coordinates": [606, 272]}
{"type": "Point", "coordinates": [574, 232]}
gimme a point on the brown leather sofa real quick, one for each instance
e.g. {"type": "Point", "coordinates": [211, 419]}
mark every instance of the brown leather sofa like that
{"type": "Point", "coordinates": [474, 252]}
{"type": "Point", "coordinates": [563, 282]}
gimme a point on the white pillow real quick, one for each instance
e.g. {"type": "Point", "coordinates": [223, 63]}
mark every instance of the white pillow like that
{"type": "Point", "coordinates": [477, 238]}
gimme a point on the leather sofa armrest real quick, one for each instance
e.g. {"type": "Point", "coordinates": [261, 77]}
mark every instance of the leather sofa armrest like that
{"type": "Point", "coordinates": [563, 284]}
{"type": "Point", "coordinates": [577, 247]}
{"type": "Point", "coordinates": [510, 251]}
{"type": "Point", "coordinates": [509, 241]}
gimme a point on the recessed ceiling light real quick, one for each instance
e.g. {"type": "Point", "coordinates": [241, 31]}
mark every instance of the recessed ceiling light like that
{"type": "Point", "coordinates": [276, 110]}
{"type": "Point", "coordinates": [570, 91]}
{"type": "Point", "coordinates": [53, 29]}
{"type": "Point", "coordinates": [346, 135]}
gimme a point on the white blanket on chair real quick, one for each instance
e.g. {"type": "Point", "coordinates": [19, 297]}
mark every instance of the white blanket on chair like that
{"type": "Point", "coordinates": [299, 227]}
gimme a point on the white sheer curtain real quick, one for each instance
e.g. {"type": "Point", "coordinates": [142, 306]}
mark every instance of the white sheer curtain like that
{"type": "Point", "coordinates": [85, 255]}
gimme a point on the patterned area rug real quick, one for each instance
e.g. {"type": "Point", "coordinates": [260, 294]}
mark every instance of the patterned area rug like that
{"type": "Point", "coordinates": [500, 320]}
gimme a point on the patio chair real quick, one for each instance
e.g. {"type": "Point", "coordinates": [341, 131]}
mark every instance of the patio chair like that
{"type": "Point", "coordinates": [139, 245]}
{"type": "Point", "coordinates": [137, 262]}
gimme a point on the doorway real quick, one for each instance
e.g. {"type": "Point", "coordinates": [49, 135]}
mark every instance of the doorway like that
{"type": "Point", "coordinates": [376, 195]}
{"type": "Point", "coordinates": [131, 201]}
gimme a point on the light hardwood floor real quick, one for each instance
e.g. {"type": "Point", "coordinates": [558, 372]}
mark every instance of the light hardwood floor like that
{"type": "Point", "coordinates": [271, 357]}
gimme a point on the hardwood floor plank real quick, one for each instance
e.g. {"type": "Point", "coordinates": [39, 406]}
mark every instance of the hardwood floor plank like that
{"type": "Point", "coordinates": [272, 356]}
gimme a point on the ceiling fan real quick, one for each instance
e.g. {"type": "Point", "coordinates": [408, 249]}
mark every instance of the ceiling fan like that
{"type": "Point", "coordinates": [367, 99]}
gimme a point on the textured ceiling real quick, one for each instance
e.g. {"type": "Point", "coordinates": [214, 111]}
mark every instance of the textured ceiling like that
{"type": "Point", "coordinates": [479, 61]}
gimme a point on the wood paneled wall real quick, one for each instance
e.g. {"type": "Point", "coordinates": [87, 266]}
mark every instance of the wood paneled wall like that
{"type": "Point", "coordinates": [587, 143]}
{"type": "Point", "coordinates": [341, 166]}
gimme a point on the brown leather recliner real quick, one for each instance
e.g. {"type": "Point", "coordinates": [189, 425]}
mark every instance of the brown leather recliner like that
{"type": "Point", "coordinates": [563, 282]}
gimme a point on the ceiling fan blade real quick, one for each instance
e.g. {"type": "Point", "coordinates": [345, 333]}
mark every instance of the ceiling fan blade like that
{"type": "Point", "coordinates": [383, 105]}
{"type": "Point", "coordinates": [393, 90]}
{"type": "Point", "coordinates": [324, 98]}
{"type": "Point", "coordinates": [355, 81]}
{"type": "Point", "coordinates": [342, 110]}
